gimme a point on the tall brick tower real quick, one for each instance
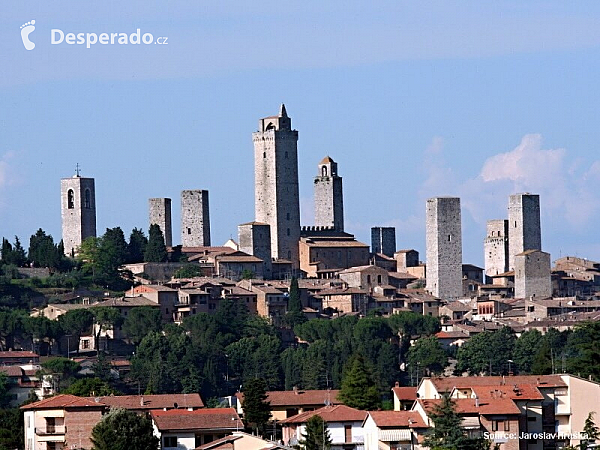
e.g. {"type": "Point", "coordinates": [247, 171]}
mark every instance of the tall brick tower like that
{"type": "Point", "coordinates": [195, 220]}
{"type": "Point", "coordinates": [160, 214]}
{"type": "Point", "coordinates": [444, 247]}
{"type": "Point", "coordinates": [276, 194]}
{"type": "Point", "coordinates": [524, 231]}
{"type": "Point", "coordinates": [78, 211]}
{"type": "Point", "coordinates": [329, 199]}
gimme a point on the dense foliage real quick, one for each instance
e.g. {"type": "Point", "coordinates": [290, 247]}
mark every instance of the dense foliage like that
{"type": "Point", "coordinates": [121, 429]}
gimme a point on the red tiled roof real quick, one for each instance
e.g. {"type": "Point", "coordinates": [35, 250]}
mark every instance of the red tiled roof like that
{"type": "Point", "coordinates": [443, 384]}
{"type": "Point", "coordinates": [225, 442]}
{"type": "Point", "coordinates": [336, 413]}
{"type": "Point", "coordinates": [18, 354]}
{"type": "Point", "coordinates": [137, 402]}
{"type": "Point", "coordinates": [512, 391]}
{"type": "Point", "coordinates": [469, 406]}
{"type": "Point", "coordinates": [451, 335]}
{"type": "Point", "coordinates": [405, 393]}
{"type": "Point", "coordinates": [200, 419]}
{"type": "Point", "coordinates": [12, 371]}
{"type": "Point", "coordinates": [301, 397]}
{"type": "Point", "coordinates": [65, 401]}
{"type": "Point", "coordinates": [397, 419]}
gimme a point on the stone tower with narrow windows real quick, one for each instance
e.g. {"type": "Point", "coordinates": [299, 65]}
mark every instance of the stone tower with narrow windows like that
{"type": "Point", "coordinates": [254, 238]}
{"type": "Point", "coordinates": [160, 214]}
{"type": "Point", "coordinates": [524, 231]}
{"type": "Point", "coordinates": [444, 247]}
{"type": "Point", "coordinates": [329, 199]}
{"type": "Point", "coordinates": [78, 211]}
{"type": "Point", "coordinates": [195, 219]}
{"type": "Point", "coordinates": [276, 194]}
{"type": "Point", "coordinates": [495, 247]}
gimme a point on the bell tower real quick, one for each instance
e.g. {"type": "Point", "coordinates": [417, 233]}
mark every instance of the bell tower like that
{"type": "Point", "coordinates": [78, 211]}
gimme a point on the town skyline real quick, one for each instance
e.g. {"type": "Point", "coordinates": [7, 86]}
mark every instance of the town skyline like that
{"type": "Point", "coordinates": [404, 117]}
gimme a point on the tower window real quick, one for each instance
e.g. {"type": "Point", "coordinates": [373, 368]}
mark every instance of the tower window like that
{"type": "Point", "coordinates": [288, 216]}
{"type": "Point", "coordinates": [70, 199]}
{"type": "Point", "coordinates": [264, 154]}
{"type": "Point", "coordinates": [288, 231]}
{"type": "Point", "coordinates": [189, 231]}
{"type": "Point", "coordinates": [286, 155]}
{"type": "Point", "coordinates": [324, 171]}
{"type": "Point", "coordinates": [449, 238]}
{"type": "Point", "coordinates": [87, 200]}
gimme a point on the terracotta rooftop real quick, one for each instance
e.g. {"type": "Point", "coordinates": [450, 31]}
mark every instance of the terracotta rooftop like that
{"type": "Point", "coordinates": [64, 401]}
{"type": "Point", "coordinates": [444, 384]}
{"type": "Point", "coordinates": [485, 406]}
{"type": "Point", "coordinates": [299, 397]}
{"type": "Point", "coordinates": [405, 392]}
{"type": "Point", "coordinates": [200, 419]}
{"type": "Point", "coordinates": [221, 444]}
{"type": "Point", "coordinates": [125, 302]}
{"type": "Point", "coordinates": [12, 371]}
{"type": "Point", "coordinates": [397, 419]}
{"type": "Point", "coordinates": [512, 391]}
{"type": "Point", "coordinates": [451, 335]}
{"type": "Point", "coordinates": [18, 354]}
{"type": "Point", "coordinates": [336, 413]}
{"type": "Point", "coordinates": [145, 402]}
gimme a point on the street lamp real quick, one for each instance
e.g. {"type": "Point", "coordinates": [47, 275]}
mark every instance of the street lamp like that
{"type": "Point", "coordinates": [68, 336]}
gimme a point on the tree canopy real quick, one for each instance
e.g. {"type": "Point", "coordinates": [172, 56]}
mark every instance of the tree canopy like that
{"type": "Point", "coordinates": [359, 389]}
{"type": "Point", "coordinates": [317, 435]}
{"type": "Point", "coordinates": [257, 410]}
{"type": "Point", "coordinates": [121, 429]}
{"type": "Point", "coordinates": [155, 251]}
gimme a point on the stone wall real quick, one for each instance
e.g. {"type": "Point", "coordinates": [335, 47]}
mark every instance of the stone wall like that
{"type": "Point", "coordinates": [444, 247]}
{"type": "Point", "coordinates": [160, 214]}
{"type": "Point", "coordinates": [195, 219]}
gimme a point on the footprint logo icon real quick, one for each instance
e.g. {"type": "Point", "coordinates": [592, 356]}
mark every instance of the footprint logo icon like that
{"type": "Point", "coordinates": [26, 30]}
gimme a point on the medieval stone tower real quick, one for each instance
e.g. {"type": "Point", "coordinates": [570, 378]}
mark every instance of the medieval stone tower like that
{"type": "Point", "coordinates": [495, 247]}
{"type": "Point", "coordinates": [444, 247]}
{"type": "Point", "coordinates": [195, 220]}
{"type": "Point", "coordinates": [160, 214]}
{"type": "Point", "coordinates": [383, 240]}
{"type": "Point", "coordinates": [254, 238]}
{"type": "Point", "coordinates": [533, 274]}
{"type": "Point", "coordinates": [78, 211]}
{"type": "Point", "coordinates": [329, 199]}
{"type": "Point", "coordinates": [276, 195]}
{"type": "Point", "coordinates": [524, 231]}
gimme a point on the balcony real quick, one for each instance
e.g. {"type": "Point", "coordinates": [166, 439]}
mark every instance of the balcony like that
{"type": "Point", "coordinates": [51, 430]}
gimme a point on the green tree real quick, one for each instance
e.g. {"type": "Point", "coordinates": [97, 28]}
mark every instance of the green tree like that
{"type": "Point", "coordinates": [294, 315]}
{"type": "Point", "coordinates": [526, 348]}
{"type": "Point", "coordinates": [317, 436]}
{"type": "Point", "coordinates": [76, 323]}
{"type": "Point", "coordinates": [90, 387]}
{"type": "Point", "coordinates": [487, 352]}
{"type": "Point", "coordinates": [156, 251]}
{"type": "Point", "coordinates": [591, 431]}
{"type": "Point", "coordinates": [105, 318]}
{"type": "Point", "coordinates": [43, 252]}
{"type": "Point", "coordinates": [14, 255]}
{"type": "Point", "coordinates": [89, 255]}
{"type": "Point", "coordinates": [112, 253]}
{"type": "Point", "coordinates": [121, 429]}
{"type": "Point", "coordinates": [359, 389]}
{"type": "Point", "coordinates": [136, 246]}
{"type": "Point", "coordinates": [584, 350]}
{"type": "Point", "coordinates": [62, 370]}
{"type": "Point", "coordinates": [11, 429]}
{"type": "Point", "coordinates": [188, 271]}
{"type": "Point", "coordinates": [140, 321]}
{"type": "Point", "coordinates": [447, 434]}
{"type": "Point", "coordinates": [257, 410]}
{"type": "Point", "coordinates": [428, 354]}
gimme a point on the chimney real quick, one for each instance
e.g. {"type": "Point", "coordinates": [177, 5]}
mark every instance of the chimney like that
{"type": "Point", "coordinates": [476, 402]}
{"type": "Point", "coordinates": [142, 400]}
{"type": "Point", "coordinates": [296, 390]}
{"type": "Point", "coordinates": [397, 384]}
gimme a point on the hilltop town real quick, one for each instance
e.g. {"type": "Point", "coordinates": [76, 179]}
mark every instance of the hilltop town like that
{"type": "Point", "coordinates": [298, 310]}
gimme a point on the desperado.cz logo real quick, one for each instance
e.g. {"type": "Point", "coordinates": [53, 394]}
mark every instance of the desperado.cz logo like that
{"type": "Point", "coordinates": [58, 36]}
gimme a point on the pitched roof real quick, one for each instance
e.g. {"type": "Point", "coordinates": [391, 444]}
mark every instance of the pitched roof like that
{"type": "Point", "coordinates": [299, 397]}
{"type": "Point", "coordinates": [336, 413]}
{"type": "Point", "coordinates": [199, 419]}
{"type": "Point", "coordinates": [65, 401]}
{"type": "Point", "coordinates": [512, 391]}
{"type": "Point", "coordinates": [468, 406]}
{"type": "Point", "coordinates": [12, 371]}
{"type": "Point", "coordinates": [137, 402]}
{"type": "Point", "coordinates": [444, 384]}
{"type": "Point", "coordinates": [18, 354]}
{"type": "Point", "coordinates": [397, 419]}
{"type": "Point", "coordinates": [405, 392]}
{"type": "Point", "coordinates": [223, 443]}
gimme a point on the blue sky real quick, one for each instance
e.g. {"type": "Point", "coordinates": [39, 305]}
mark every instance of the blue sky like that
{"type": "Point", "coordinates": [412, 99]}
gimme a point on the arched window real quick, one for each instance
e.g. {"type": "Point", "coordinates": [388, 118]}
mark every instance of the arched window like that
{"type": "Point", "coordinates": [87, 199]}
{"type": "Point", "coordinates": [70, 199]}
{"type": "Point", "coordinates": [323, 171]}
